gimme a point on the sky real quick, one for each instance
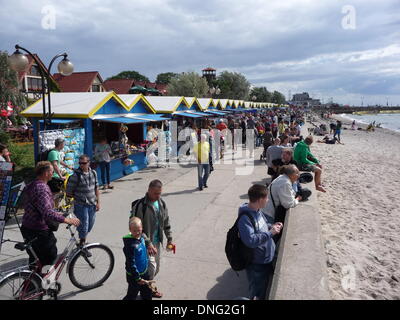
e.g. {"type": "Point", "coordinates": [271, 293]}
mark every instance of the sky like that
{"type": "Point", "coordinates": [347, 51]}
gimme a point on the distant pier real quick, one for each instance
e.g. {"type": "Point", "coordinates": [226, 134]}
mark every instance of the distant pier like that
{"type": "Point", "coordinates": [358, 110]}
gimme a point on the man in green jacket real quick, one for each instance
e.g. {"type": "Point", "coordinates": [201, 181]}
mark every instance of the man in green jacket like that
{"type": "Point", "coordinates": [153, 212]}
{"type": "Point", "coordinates": [307, 162]}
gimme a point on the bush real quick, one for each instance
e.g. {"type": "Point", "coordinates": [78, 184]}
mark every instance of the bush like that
{"type": "Point", "coordinates": [23, 157]}
{"type": "Point", "coordinates": [4, 138]}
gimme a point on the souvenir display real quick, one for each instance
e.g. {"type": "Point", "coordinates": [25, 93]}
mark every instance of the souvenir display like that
{"type": "Point", "coordinates": [74, 144]}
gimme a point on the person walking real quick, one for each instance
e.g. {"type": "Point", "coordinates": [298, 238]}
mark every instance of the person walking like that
{"type": "Point", "coordinates": [83, 187]}
{"type": "Point", "coordinates": [202, 152]}
{"type": "Point", "coordinates": [102, 154]}
{"type": "Point", "coordinates": [338, 130]}
{"type": "Point", "coordinates": [39, 210]}
{"type": "Point", "coordinates": [136, 262]}
{"type": "Point", "coordinates": [152, 211]}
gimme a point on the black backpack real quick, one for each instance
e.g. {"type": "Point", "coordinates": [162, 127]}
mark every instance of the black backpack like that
{"type": "Point", "coordinates": [135, 204]}
{"type": "Point", "coordinates": [238, 254]}
{"type": "Point", "coordinates": [43, 156]}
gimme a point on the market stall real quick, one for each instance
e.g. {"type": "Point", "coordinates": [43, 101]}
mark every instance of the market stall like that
{"type": "Point", "coordinates": [97, 115]}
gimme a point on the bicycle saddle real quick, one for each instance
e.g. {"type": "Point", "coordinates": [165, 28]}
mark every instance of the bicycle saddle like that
{"type": "Point", "coordinates": [20, 246]}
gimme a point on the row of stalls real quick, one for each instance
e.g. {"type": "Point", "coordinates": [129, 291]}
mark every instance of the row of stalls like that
{"type": "Point", "coordinates": [84, 119]}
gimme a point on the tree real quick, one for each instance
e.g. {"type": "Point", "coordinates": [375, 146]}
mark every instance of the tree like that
{"type": "Point", "coordinates": [165, 78]}
{"type": "Point", "coordinates": [261, 94]}
{"type": "Point", "coordinates": [233, 86]}
{"type": "Point", "coordinates": [189, 84]}
{"type": "Point", "coordinates": [134, 75]}
{"type": "Point", "coordinates": [278, 97]}
{"type": "Point", "coordinates": [9, 91]}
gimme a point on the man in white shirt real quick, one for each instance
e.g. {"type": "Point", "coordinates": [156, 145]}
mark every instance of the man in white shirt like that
{"type": "Point", "coordinates": [281, 191]}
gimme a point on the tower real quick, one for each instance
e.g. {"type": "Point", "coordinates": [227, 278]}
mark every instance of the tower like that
{"type": "Point", "coordinates": [210, 74]}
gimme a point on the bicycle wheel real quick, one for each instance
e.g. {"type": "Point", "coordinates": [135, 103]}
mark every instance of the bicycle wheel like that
{"type": "Point", "coordinates": [90, 269]}
{"type": "Point", "coordinates": [21, 286]}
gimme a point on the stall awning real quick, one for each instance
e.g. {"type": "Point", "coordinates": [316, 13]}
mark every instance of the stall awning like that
{"type": "Point", "coordinates": [189, 115]}
{"type": "Point", "coordinates": [124, 120]}
{"type": "Point", "coordinates": [149, 117]}
{"type": "Point", "coordinates": [60, 121]}
{"type": "Point", "coordinates": [218, 113]}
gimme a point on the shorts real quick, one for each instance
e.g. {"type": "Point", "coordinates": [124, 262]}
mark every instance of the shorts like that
{"type": "Point", "coordinates": [307, 167]}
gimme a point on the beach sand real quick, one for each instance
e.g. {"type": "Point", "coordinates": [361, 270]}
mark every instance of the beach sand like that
{"type": "Point", "coordinates": [360, 213]}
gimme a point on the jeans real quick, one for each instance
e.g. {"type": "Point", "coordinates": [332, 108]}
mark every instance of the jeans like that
{"type": "Point", "coordinates": [105, 172]}
{"type": "Point", "coordinates": [86, 214]}
{"type": "Point", "coordinates": [134, 288]}
{"type": "Point", "coordinates": [203, 179]}
{"type": "Point", "coordinates": [258, 276]}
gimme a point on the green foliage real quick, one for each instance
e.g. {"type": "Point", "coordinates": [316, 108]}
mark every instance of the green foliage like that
{"type": "Point", "coordinates": [261, 94]}
{"type": "Point", "coordinates": [9, 86]}
{"type": "Point", "coordinates": [278, 97]}
{"type": "Point", "coordinates": [233, 85]}
{"type": "Point", "coordinates": [134, 75]}
{"type": "Point", "coordinates": [4, 137]}
{"type": "Point", "coordinates": [165, 78]}
{"type": "Point", "coordinates": [23, 156]}
{"type": "Point", "coordinates": [189, 84]}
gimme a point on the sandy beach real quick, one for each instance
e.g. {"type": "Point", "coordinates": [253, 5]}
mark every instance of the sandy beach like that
{"type": "Point", "coordinates": [360, 213]}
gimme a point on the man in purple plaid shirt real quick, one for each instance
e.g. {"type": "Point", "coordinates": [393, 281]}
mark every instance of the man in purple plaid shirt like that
{"type": "Point", "coordinates": [39, 208]}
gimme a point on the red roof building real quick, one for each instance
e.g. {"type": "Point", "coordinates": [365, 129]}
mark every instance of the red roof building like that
{"type": "Point", "coordinates": [119, 86]}
{"type": "Point", "coordinates": [80, 82]}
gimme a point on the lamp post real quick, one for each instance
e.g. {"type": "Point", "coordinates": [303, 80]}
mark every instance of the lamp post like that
{"type": "Point", "coordinates": [65, 67]}
{"type": "Point", "coordinates": [19, 62]}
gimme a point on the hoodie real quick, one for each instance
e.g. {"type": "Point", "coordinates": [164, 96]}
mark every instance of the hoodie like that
{"type": "Point", "coordinates": [136, 260]}
{"type": "Point", "coordinates": [302, 154]}
{"type": "Point", "coordinates": [260, 239]}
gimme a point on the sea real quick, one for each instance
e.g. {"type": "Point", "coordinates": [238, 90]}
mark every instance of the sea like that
{"type": "Point", "coordinates": [387, 120]}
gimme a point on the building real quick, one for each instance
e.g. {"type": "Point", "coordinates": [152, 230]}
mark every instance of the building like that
{"type": "Point", "coordinates": [30, 81]}
{"type": "Point", "coordinates": [80, 82]}
{"type": "Point", "coordinates": [210, 74]}
{"type": "Point", "coordinates": [303, 99]}
{"type": "Point", "coordinates": [123, 86]}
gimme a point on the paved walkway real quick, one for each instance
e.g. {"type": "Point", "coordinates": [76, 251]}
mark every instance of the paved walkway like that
{"type": "Point", "coordinates": [199, 219]}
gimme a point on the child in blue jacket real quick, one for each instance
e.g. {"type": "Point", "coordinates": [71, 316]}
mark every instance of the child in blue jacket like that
{"type": "Point", "coordinates": [136, 263]}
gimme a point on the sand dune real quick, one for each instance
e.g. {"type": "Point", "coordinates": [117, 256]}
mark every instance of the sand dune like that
{"type": "Point", "coordinates": [360, 214]}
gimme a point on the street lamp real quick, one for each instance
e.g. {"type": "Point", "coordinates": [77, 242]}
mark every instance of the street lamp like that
{"type": "Point", "coordinates": [19, 62]}
{"type": "Point", "coordinates": [65, 67]}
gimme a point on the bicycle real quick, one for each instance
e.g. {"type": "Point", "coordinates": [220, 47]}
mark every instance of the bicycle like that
{"type": "Point", "coordinates": [88, 267]}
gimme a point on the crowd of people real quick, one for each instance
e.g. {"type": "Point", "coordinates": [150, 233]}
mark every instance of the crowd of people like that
{"type": "Point", "coordinates": [286, 153]}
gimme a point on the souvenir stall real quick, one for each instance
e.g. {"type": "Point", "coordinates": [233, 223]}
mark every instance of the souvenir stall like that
{"type": "Point", "coordinates": [99, 115]}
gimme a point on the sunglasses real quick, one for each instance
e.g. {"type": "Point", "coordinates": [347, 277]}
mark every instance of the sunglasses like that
{"type": "Point", "coordinates": [83, 162]}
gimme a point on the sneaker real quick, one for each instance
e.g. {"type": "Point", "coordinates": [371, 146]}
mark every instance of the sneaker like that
{"type": "Point", "coordinates": [104, 188]}
{"type": "Point", "coordinates": [205, 186]}
{"type": "Point", "coordinates": [201, 189]}
{"type": "Point", "coordinates": [157, 294]}
{"type": "Point", "coordinates": [110, 187]}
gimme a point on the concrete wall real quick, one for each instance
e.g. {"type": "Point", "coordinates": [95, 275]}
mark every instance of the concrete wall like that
{"type": "Point", "coordinates": [300, 272]}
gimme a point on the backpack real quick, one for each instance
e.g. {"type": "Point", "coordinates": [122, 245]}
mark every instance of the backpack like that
{"type": "Point", "coordinates": [43, 156]}
{"type": "Point", "coordinates": [238, 254]}
{"type": "Point", "coordinates": [144, 207]}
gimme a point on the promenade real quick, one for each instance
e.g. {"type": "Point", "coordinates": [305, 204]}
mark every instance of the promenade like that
{"type": "Point", "coordinates": [199, 219]}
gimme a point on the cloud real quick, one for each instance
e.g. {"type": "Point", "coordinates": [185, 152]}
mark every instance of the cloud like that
{"type": "Point", "coordinates": [297, 45]}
